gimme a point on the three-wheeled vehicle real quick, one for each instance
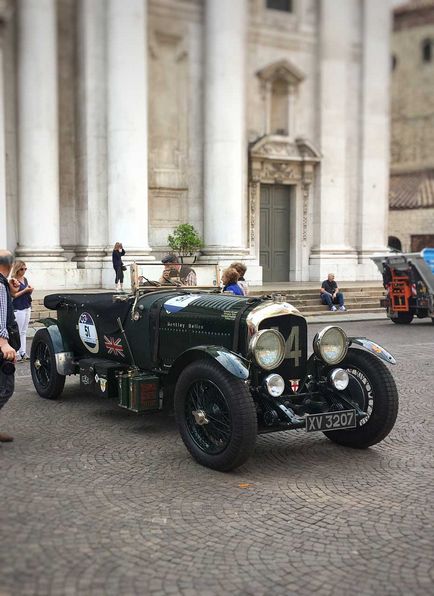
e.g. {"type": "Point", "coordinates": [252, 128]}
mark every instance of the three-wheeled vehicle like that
{"type": "Point", "coordinates": [409, 283]}
{"type": "Point", "coordinates": [230, 366]}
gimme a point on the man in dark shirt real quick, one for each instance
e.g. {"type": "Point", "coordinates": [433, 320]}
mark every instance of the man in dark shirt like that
{"type": "Point", "coordinates": [330, 293]}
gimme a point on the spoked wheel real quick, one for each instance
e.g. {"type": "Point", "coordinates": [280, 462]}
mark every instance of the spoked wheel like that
{"type": "Point", "coordinates": [403, 318]}
{"type": "Point", "coordinates": [47, 381]}
{"type": "Point", "coordinates": [373, 389]}
{"type": "Point", "coordinates": [215, 415]}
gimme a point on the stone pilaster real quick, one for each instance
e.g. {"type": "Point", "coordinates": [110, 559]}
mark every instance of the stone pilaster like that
{"type": "Point", "coordinates": [331, 252]}
{"type": "Point", "coordinates": [38, 131]}
{"type": "Point", "coordinates": [127, 126]}
{"type": "Point", "coordinates": [374, 158]}
{"type": "Point", "coordinates": [3, 207]}
{"type": "Point", "coordinates": [225, 138]}
{"type": "Point", "coordinates": [92, 134]}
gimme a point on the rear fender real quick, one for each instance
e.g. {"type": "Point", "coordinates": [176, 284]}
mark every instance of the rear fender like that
{"type": "Point", "coordinates": [65, 363]}
{"type": "Point", "coordinates": [232, 363]}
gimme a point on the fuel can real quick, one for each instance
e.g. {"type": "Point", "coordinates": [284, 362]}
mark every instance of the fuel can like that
{"type": "Point", "coordinates": [123, 388]}
{"type": "Point", "coordinates": [143, 393]}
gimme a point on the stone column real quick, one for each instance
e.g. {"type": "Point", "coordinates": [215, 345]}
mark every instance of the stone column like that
{"type": "Point", "coordinates": [127, 126]}
{"type": "Point", "coordinates": [225, 138]}
{"type": "Point", "coordinates": [92, 135]}
{"type": "Point", "coordinates": [4, 240]}
{"type": "Point", "coordinates": [331, 251]}
{"type": "Point", "coordinates": [38, 131]}
{"type": "Point", "coordinates": [374, 158]}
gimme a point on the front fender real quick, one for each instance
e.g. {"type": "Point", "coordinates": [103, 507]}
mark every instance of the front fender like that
{"type": "Point", "coordinates": [374, 348]}
{"type": "Point", "coordinates": [233, 363]}
{"type": "Point", "coordinates": [65, 364]}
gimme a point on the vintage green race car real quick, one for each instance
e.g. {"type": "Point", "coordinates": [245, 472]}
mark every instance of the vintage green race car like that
{"type": "Point", "coordinates": [231, 367]}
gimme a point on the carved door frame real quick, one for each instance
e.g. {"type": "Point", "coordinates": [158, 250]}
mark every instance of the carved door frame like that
{"type": "Point", "coordinates": [278, 160]}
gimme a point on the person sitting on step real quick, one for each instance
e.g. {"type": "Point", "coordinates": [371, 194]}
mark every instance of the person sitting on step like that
{"type": "Point", "coordinates": [330, 293]}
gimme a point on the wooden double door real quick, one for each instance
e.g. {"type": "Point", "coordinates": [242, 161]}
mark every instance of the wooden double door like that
{"type": "Point", "coordinates": [275, 232]}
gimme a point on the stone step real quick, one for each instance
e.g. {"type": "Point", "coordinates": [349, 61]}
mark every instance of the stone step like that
{"type": "Point", "coordinates": [303, 291]}
{"type": "Point", "coordinates": [352, 307]}
{"type": "Point", "coordinates": [316, 300]}
{"type": "Point", "coordinates": [349, 312]}
{"type": "Point", "coordinates": [315, 296]}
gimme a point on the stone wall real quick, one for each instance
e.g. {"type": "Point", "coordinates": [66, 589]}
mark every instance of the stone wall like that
{"type": "Point", "coordinates": [405, 222]}
{"type": "Point", "coordinates": [412, 92]}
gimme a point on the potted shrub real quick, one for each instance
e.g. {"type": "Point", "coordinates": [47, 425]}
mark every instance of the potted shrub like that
{"type": "Point", "coordinates": [185, 241]}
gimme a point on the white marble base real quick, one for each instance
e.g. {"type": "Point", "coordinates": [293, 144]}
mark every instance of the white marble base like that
{"type": "Point", "coordinates": [44, 274]}
{"type": "Point", "coordinates": [367, 270]}
{"type": "Point", "coordinates": [341, 262]}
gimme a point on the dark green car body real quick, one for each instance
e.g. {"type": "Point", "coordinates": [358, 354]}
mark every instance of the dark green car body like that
{"type": "Point", "coordinates": [192, 350]}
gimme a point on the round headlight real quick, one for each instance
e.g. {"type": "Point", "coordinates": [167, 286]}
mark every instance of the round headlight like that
{"type": "Point", "coordinates": [268, 348]}
{"type": "Point", "coordinates": [339, 378]}
{"type": "Point", "coordinates": [275, 385]}
{"type": "Point", "coordinates": [331, 345]}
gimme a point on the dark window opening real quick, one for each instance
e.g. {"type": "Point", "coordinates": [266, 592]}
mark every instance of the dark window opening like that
{"type": "Point", "coordinates": [427, 50]}
{"type": "Point", "coordinates": [284, 5]}
{"type": "Point", "coordinates": [394, 62]}
{"type": "Point", "coordinates": [394, 243]}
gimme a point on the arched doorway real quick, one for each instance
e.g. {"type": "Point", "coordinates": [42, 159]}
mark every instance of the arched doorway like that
{"type": "Point", "coordinates": [281, 176]}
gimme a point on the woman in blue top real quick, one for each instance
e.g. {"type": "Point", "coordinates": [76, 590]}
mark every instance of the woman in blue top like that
{"type": "Point", "coordinates": [21, 292]}
{"type": "Point", "coordinates": [230, 278]}
{"type": "Point", "coordinates": [117, 254]}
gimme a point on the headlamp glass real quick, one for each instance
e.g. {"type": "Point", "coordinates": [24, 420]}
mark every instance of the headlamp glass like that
{"type": "Point", "coordinates": [331, 345]}
{"type": "Point", "coordinates": [275, 385]}
{"type": "Point", "coordinates": [268, 348]}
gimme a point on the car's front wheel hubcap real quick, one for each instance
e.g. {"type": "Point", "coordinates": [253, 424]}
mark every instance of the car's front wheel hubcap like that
{"type": "Point", "coordinates": [200, 417]}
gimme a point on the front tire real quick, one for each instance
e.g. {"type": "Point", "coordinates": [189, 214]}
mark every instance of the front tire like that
{"type": "Point", "coordinates": [216, 416]}
{"type": "Point", "coordinates": [47, 381]}
{"type": "Point", "coordinates": [378, 397]}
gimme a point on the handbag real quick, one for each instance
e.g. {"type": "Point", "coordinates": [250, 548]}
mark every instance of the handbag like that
{"type": "Point", "coordinates": [14, 335]}
{"type": "Point", "coordinates": [123, 267]}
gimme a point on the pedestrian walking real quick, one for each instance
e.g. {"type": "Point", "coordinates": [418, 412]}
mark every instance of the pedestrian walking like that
{"type": "Point", "coordinates": [9, 336]}
{"type": "Point", "coordinates": [118, 266]}
{"type": "Point", "coordinates": [21, 292]}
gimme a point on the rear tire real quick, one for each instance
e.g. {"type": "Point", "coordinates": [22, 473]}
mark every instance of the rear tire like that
{"type": "Point", "coordinates": [403, 318]}
{"type": "Point", "coordinates": [380, 400]}
{"type": "Point", "coordinates": [227, 437]}
{"type": "Point", "coordinates": [47, 381]}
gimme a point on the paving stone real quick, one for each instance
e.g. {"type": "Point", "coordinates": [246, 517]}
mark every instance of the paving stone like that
{"type": "Point", "coordinates": [96, 500]}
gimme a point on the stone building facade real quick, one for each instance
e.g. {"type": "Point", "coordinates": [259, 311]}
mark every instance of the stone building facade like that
{"type": "Point", "coordinates": [411, 218]}
{"type": "Point", "coordinates": [264, 123]}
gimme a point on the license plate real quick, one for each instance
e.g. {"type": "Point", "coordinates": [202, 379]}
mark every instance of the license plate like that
{"type": "Point", "coordinates": [331, 421]}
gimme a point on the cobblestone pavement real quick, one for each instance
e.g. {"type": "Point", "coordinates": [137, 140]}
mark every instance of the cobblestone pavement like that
{"type": "Point", "coordinates": [95, 500]}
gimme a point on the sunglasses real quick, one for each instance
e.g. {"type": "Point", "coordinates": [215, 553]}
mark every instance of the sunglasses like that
{"type": "Point", "coordinates": [22, 269]}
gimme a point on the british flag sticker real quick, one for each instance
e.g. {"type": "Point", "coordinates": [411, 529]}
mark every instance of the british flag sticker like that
{"type": "Point", "coordinates": [114, 346]}
{"type": "Point", "coordinates": [295, 384]}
